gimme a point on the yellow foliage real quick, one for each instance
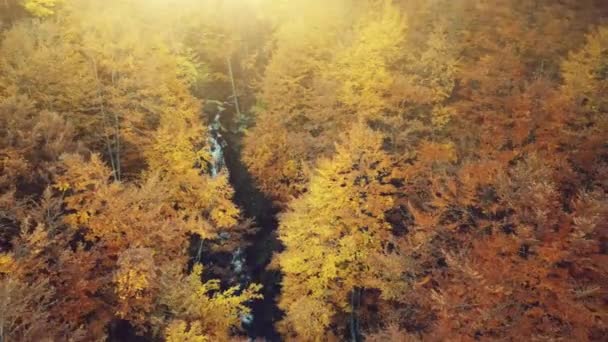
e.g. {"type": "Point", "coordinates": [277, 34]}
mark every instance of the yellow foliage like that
{"type": "Point", "coordinates": [430, 74]}
{"type": "Point", "coordinates": [81, 176]}
{"type": "Point", "coordinates": [99, 205]}
{"type": "Point", "coordinates": [363, 69]}
{"type": "Point", "coordinates": [135, 284]}
{"type": "Point", "coordinates": [440, 116]}
{"type": "Point", "coordinates": [273, 159]}
{"type": "Point", "coordinates": [41, 8]}
{"type": "Point", "coordinates": [177, 157]}
{"type": "Point", "coordinates": [206, 308]}
{"type": "Point", "coordinates": [49, 70]}
{"type": "Point", "coordinates": [64, 186]}
{"type": "Point", "coordinates": [308, 319]}
{"type": "Point", "coordinates": [180, 331]}
{"type": "Point", "coordinates": [319, 77]}
{"type": "Point", "coordinates": [585, 72]}
{"type": "Point", "coordinates": [131, 283]}
{"type": "Point", "coordinates": [335, 233]}
{"type": "Point", "coordinates": [105, 69]}
{"type": "Point", "coordinates": [7, 264]}
{"type": "Point", "coordinates": [424, 81]}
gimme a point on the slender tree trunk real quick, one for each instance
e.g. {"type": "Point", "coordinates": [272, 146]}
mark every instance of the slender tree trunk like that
{"type": "Point", "coordinates": [117, 146]}
{"type": "Point", "coordinates": [116, 136]}
{"type": "Point", "coordinates": [354, 324]}
{"type": "Point", "coordinates": [234, 95]}
{"type": "Point", "coordinates": [114, 158]}
{"type": "Point", "coordinates": [199, 252]}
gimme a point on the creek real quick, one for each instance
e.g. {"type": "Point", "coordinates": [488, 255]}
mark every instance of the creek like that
{"type": "Point", "coordinates": [249, 264]}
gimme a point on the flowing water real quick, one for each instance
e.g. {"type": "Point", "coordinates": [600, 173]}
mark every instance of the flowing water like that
{"type": "Point", "coordinates": [249, 265]}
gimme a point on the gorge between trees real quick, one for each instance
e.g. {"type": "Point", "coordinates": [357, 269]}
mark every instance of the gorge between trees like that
{"type": "Point", "coordinates": [303, 170]}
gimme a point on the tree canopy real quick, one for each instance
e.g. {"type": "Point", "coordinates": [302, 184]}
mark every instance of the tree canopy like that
{"type": "Point", "coordinates": [370, 170]}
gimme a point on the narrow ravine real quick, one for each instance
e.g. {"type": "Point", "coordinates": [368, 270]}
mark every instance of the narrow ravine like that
{"type": "Point", "coordinates": [249, 265]}
{"type": "Point", "coordinates": [262, 245]}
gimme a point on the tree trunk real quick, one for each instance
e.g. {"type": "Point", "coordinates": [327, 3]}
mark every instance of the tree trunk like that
{"type": "Point", "coordinates": [234, 95]}
{"type": "Point", "coordinates": [114, 155]}
{"type": "Point", "coordinates": [199, 252]}
{"type": "Point", "coordinates": [354, 324]}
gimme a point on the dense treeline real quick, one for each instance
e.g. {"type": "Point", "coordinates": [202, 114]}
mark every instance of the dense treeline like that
{"type": "Point", "coordinates": [441, 167]}
{"type": "Point", "coordinates": [104, 177]}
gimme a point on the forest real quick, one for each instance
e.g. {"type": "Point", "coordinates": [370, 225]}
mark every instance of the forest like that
{"type": "Point", "coordinates": [303, 170]}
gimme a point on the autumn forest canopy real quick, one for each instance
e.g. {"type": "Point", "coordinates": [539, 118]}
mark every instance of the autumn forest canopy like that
{"type": "Point", "coordinates": [303, 170]}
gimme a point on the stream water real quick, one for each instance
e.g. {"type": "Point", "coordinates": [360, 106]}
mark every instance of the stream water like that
{"type": "Point", "coordinates": [249, 264]}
